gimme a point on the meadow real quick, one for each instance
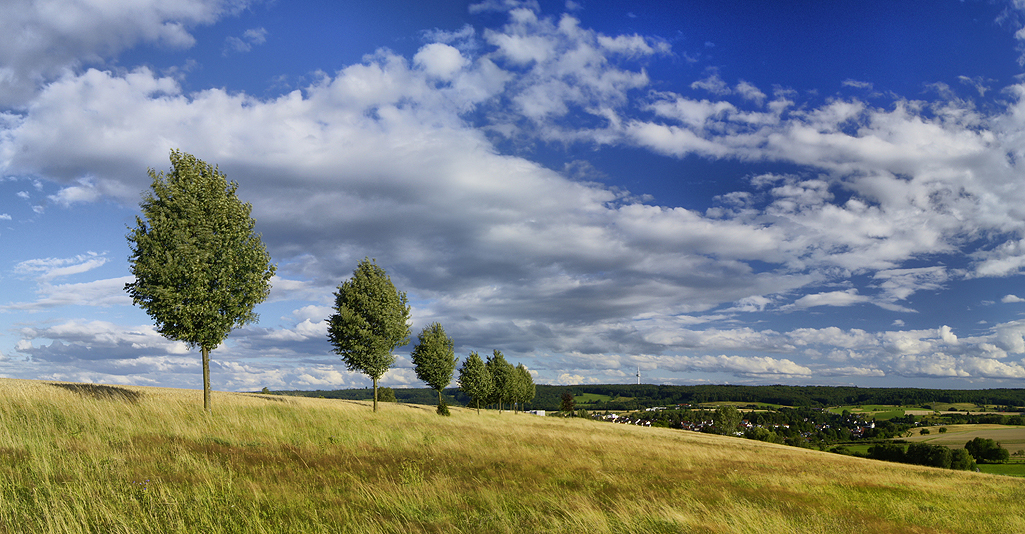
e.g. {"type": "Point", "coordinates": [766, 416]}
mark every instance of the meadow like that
{"type": "Point", "coordinates": [82, 458]}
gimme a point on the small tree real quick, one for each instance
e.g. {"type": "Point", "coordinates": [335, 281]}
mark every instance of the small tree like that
{"type": "Point", "coordinates": [726, 420]}
{"type": "Point", "coordinates": [568, 404]}
{"type": "Point", "coordinates": [371, 319]}
{"type": "Point", "coordinates": [525, 389]}
{"type": "Point", "coordinates": [502, 374]}
{"type": "Point", "coordinates": [475, 379]}
{"type": "Point", "coordinates": [434, 360]}
{"type": "Point", "coordinates": [199, 267]}
{"type": "Point", "coordinates": [386, 395]}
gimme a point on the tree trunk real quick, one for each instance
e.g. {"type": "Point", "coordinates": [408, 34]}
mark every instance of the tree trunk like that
{"type": "Point", "coordinates": [478, 406]}
{"type": "Point", "coordinates": [375, 393]}
{"type": "Point", "coordinates": [206, 380]}
{"type": "Point", "coordinates": [440, 402]}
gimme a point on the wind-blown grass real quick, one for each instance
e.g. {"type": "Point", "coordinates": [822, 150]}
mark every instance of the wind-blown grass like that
{"type": "Point", "coordinates": [74, 462]}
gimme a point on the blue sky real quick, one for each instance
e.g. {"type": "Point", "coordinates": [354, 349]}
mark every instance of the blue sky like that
{"type": "Point", "coordinates": [813, 193]}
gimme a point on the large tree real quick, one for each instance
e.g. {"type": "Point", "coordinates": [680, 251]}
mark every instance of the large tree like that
{"type": "Point", "coordinates": [434, 359]}
{"type": "Point", "coordinates": [502, 374]}
{"type": "Point", "coordinates": [199, 267]}
{"type": "Point", "coordinates": [371, 318]}
{"type": "Point", "coordinates": [475, 380]}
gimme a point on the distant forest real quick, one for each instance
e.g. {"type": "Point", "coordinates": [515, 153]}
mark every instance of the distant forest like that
{"type": "Point", "coordinates": [635, 397]}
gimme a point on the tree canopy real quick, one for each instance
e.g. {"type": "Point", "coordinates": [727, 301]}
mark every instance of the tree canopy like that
{"type": "Point", "coordinates": [434, 358]}
{"type": "Point", "coordinates": [199, 266]}
{"type": "Point", "coordinates": [524, 390]}
{"type": "Point", "coordinates": [726, 419]}
{"type": "Point", "coordinates": [475, 380]}
{"type": "Point", "coordinates": [502, 374]}
{"type": "Point", "coordinates": [371, 318]}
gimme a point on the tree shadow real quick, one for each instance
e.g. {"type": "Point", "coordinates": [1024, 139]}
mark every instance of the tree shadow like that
{"type": "Point", "coordinates": [101, 392]}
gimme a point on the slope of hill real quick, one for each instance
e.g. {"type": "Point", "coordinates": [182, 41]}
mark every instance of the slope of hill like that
{"type": "Point", "coordinates": [83, 458]}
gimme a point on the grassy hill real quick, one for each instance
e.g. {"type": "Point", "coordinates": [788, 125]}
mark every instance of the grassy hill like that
{"type": "Point", "coordinates": [81, 458]}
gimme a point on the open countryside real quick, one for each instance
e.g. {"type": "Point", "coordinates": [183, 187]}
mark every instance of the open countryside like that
{"type": "Point", "coordinates": [138, 459]}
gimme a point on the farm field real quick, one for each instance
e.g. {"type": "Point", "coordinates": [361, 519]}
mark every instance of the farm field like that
{"type": "Point", "coordinates": [1014, 468]}
{"type": "Point", "coordinates": [83, 458]}
{"type": "Point", "coordinates": [1011, 437]}
{"type": "Point", "coordinates": [873, 411]}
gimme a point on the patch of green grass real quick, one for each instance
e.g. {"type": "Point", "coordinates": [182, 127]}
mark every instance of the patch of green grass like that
{"type": "Point", "coordinates": [1008, 469]}
{"type": "Point", "coordinates": [591, 398]}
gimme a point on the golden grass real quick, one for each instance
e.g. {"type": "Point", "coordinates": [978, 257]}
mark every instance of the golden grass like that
{"type": "Point", "coordinates": [81, 460]}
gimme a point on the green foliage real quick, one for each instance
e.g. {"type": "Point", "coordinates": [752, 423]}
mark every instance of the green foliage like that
{"type": "Point", "coordinates": [386, 395]}
{"type": "Point", "coordinates": [434, 359]}
{"type": "Point", "coordinates": [199, 267]}
{"type": "Point", "coordinates": [502, 374]}
{"type": "Point", "coordinates": [726, 419]}
{"type": "Point", "coordinates": [371, 319]}
{"type": "Point", "coordinates": [763, 434]}
{"type": "Point", "coordinates": [475, 379]}
{"type": "Point", "coordinates": [986, 450]}
{"type": "Point", "coordinates": [524, 389]}
{"type": "Point", "coordinates": [443, 409]}
{"type": "Point", "coordinates": [961, 460]}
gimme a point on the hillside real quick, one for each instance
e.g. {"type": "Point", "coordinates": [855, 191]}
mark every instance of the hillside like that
{"type": "Point", "coordinates": [82, 458]}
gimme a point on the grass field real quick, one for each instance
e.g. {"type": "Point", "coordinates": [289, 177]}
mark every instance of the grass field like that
{"type": "Point", "coordinates": [1013, 469]}
{"type": "Point", "coordinates": [82, 458]}
{"type": "Point", "coordinates": [591, 398]}
{"type": "Point", "coordinates": [878, 412]}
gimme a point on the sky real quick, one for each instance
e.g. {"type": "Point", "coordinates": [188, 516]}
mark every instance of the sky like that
{"type": "Point", "coordinates": [808, 193]}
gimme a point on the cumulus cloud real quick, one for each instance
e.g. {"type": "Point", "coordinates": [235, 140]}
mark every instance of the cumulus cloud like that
{"type": "Point", "coordinates": [45, 39]}
{"type": "Point", "coordinates": [397, 158]}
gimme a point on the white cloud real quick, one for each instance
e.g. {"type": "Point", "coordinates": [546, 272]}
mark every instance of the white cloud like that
{"type": "Point", "coordinates": [43, 39]}
{"type": "Point", "coordinates": [848, 297]}
{"type": "Point", "coordinates": [740, 365]}
{"type": "Point", "coordinates": [1010, 299]}
{"type": "Point", "coordinates": [250, 38]}
{"type": "Point", "coordinates": [440, 60]}
{"type": "Point", "coordinates": [46, 269]}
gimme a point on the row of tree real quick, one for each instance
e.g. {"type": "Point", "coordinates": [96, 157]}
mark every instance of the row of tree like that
{"type": "Point", "coordinates": [496, 381]}
{"type": "Point", "coordinates": [924, 454]}
{"type": "Point", "coordinates": [200, 269]}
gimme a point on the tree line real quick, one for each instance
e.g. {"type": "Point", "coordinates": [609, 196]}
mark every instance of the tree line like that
{"type": "Point", "coordinates": [636, 396]}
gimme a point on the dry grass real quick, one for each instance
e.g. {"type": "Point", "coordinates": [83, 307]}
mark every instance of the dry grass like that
{"type": "Point", "coordinates": [77, 459]}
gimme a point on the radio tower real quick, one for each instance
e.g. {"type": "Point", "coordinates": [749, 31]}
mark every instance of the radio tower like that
{"type": "Point", "coordinates": [638, 375]}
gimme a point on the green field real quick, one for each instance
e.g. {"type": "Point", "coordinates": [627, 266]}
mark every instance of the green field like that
{"type": "Point", "coordinates": [878, 412]}
{"type": "Point", "coordinates": [1011, 437]}
{"type": "Point", "coordinates": [1013, 468]}
{"type": "Point", "coordinates": [81, 458]}
{"type": "Point", "coordinates": [591, 398]}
